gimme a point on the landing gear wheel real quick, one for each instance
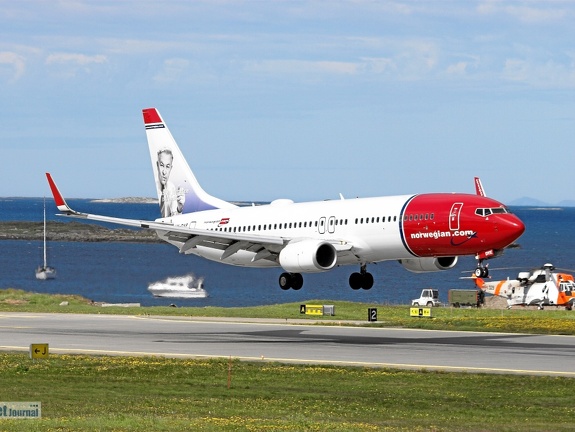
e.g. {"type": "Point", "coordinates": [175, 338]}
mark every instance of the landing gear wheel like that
{"type": "Point", "coordinates": [481, 272]}
{"type": "Point", "coordinates": [361, 280]}
{"type": "Point", "coordinates": [285, 281]}
{"type": "Point", "coordinates": [355, 281]}
{"type": "Point", "coordinates": [296, 281]}
{"type": "Point", "coordinates": [291, 280]}
{"type": "Point", "coordinates": [367, 282]}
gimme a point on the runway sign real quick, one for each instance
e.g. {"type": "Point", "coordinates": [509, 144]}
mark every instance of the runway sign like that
{"type": "Point", "coordinates": [372, 314]}
{"type": "Point", "coordinates": [38, 351]}
{"type": "Point", "coordinates": [420, 312]}
{"type": "Point", "coordinates": [311, 309]}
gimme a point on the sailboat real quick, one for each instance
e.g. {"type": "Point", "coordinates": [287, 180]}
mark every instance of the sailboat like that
{"type": "Point", "coordinates": [45, 272]}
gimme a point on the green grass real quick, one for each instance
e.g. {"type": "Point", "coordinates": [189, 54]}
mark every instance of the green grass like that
{"type": "Point", "coordinates": [548, 321]}
{"type": "Point", "coordinates": [92, 393]}
{"type": "Point", "coordinates": [157, 394]}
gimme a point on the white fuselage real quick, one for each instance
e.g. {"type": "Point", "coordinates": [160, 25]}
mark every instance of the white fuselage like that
{"type": "Point", "coordinates": [372, 225]}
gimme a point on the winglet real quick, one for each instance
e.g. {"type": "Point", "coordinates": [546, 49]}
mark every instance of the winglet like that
{"type": "Point", "coordinates": [58, 198]}
{"type": "Point", "coordinates": [479, 187]}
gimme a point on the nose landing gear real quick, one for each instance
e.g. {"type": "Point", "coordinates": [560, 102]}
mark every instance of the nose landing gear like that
{"type": "Point", "coordinates": [482, 271]}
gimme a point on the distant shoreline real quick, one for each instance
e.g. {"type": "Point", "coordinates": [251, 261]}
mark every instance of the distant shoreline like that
{"type": "Point", "coordinates": [73, 231]}
{"type": "Point", "coordinates": [126, 200]}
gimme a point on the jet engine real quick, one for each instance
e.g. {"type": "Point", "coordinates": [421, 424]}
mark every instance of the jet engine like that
{"type": "Point", "coordinates": [308, 256]}
{"type": "Point", "coordinates": [423, 265]}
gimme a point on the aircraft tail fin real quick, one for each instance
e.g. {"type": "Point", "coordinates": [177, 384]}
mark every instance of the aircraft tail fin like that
{"type": "Point", "coordinates": [178, 190]}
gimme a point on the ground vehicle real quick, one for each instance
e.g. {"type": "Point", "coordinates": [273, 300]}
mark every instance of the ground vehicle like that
{"type": "Point", "coordinates": [463, 297]}
{"type": "Point", "coordinates": [429, 297]}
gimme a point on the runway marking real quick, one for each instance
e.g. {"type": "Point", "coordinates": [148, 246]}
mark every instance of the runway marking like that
{"type": "Point", "coordinates": [407, 366]}
{"type": "Point", "coordinates": [17, 327]}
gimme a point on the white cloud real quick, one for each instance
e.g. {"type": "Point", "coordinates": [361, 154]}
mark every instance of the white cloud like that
{"type": "Point", "coordinates": [172, 70]}
{"type": "Point", "coordinates": [529, 12]}
{"type": "Point", "coordinates": [69, 64]}
{"type": "Point", "coordinates": [379, 65]}
{"type": "Point", "coordinates": [77, 59]}
{"type": "Point", "coordinates": [458, 68]}
{"type": "Point", "coordinates": [303, 67]}
{"type": "Point", "coordinates": [543, 75]}
{"type": "Point", "coordinates": [15, 62]}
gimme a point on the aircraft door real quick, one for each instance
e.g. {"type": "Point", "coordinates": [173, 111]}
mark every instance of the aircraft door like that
{"type": "Point", "coordinates": [331, 225]}
{"type": "Point", "coordinates": [454, 216]}
{"type": "Point", "coordinates": [326, 225]}
{"type": "Point", "coordinates": [321, 225]}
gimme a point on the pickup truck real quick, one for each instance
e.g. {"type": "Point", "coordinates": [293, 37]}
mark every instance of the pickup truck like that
{"type": "Point", "coordinates": [429, 297]}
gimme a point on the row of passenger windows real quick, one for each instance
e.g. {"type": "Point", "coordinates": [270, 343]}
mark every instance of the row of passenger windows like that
{"type": "Point", "coordinates": [286, 225]}
{"type": "Point", "coordinates": [375, 219]}
{"type": "Point", "coordinates": [332, 221]}
{"type": "Point", "coordinates": [423, 216]}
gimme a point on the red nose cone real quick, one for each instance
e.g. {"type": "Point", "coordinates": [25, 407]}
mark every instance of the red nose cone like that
{"type": "Point", "coordinates": [511, 227]}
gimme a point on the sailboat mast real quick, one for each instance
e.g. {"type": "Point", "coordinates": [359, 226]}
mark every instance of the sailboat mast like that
{"type": "Point", "coordinates": [45, 261]}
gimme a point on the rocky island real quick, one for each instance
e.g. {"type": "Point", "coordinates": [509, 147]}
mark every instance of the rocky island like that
{"type": "Point", "coordinates": [73, 231]}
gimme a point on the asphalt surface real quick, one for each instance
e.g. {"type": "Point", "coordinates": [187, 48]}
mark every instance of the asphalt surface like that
{"type": "Point", "coordinates": [276, 340]}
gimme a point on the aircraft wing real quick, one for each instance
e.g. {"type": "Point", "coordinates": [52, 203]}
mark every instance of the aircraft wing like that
{"type": "Point", "coordinates": [188, 238]}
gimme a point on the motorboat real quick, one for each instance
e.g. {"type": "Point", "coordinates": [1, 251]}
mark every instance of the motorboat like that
{"type": "Point", "coordinates": [179, 287]}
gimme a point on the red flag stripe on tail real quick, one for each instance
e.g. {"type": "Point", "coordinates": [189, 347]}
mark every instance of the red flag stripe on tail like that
{"type": "Point", "coordinates": [151, 116]}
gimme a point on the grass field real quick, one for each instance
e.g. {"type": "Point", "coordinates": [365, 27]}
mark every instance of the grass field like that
{"type": "Point", "coordinates": [548, 321]}
{"type": "Point", "coordinates": [81, 393]}
{"type": "Point", "coordinates": [92, 393]}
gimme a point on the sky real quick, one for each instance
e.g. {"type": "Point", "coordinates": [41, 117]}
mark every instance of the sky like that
{"type": "Point", "coordinates": [291, 99]}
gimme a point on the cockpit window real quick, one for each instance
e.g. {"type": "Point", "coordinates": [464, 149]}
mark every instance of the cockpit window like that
{"type": "Point", "coordinates": [500, 210]}
{"type": "Point", "coordinates": [489, 211]}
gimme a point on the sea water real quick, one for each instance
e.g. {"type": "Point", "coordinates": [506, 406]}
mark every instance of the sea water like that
{"type": "Point", "coordinates": [121, 272]}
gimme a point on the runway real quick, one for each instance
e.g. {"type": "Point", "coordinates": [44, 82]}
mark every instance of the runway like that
{"type": "Point", "coordinates": [268, 340]}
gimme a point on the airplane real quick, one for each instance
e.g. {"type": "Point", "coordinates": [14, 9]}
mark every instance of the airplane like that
{"type": "Point", "coordinates": [541, 287]}
{"type": "Point", "coordinates": [424, 232]}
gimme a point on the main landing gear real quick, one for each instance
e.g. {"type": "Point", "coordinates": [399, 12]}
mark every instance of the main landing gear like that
{"type": "Point", "coordinates": [363, 279]}
{"type": "Point", "coordinates": [291, 280]}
